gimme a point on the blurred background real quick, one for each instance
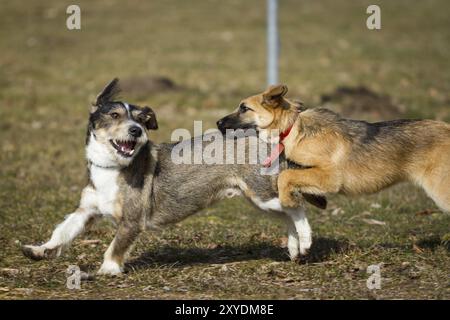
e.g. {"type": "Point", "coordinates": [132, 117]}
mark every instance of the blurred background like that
{"type": "Point", "coordinates": [194, 60]}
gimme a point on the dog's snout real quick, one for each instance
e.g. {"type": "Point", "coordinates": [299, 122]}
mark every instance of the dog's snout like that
{"type": "Point", "coordinates": [135, 131]}
{"type": "Point", "coordinates": [221, 126]}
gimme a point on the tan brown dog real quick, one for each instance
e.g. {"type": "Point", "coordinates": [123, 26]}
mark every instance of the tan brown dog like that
{"type": "Point", "coordinates": [348, 156]}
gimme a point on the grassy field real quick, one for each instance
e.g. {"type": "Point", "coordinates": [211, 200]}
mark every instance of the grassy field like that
{"type": "Point", "coordinates": [214, 51]}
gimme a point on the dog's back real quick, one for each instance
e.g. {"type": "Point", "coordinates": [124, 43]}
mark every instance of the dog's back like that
{"type": "Point", "coordinates": [182, 189]}
{"type": "Point", "coordinates": [371, 156]}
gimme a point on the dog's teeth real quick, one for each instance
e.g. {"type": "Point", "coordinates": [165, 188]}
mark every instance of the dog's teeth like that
{"type": "Point", "coordinates": [131, 152]}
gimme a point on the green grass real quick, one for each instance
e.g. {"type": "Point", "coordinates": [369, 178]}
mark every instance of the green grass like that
{"type": "Point", "coordinates": [215, 52]}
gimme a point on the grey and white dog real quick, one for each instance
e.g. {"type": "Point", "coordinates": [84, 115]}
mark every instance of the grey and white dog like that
{"type": "Point", "coordinates": [135, 182]}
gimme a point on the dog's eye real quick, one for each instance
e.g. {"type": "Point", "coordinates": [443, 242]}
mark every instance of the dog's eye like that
{"type": "Point", "coordinates": [243, 108]}
{"type": "Point", "coordinates": [114, 115]}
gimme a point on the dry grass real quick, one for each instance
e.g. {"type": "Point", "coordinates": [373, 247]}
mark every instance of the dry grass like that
{"type": "Point", "coordinates": [214, 51]}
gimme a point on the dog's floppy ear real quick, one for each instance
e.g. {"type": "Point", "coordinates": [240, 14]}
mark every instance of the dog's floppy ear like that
{"type": "Point", "coordinates": [107, 94]}
{"type": "Point", "coordinates": [274, 94]}
{"type": "Point", "coordinates": [150, 122]}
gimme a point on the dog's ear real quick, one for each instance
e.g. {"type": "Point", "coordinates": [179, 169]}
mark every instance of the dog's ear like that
{"type": "Point", "coordinates": [150, 122]}
{"type": "Point", "coordinates": [274, 94]}
{"type": "Point", "coordinates": [299, 106]}
{"type": "Point", "coordinates": [107, 94]}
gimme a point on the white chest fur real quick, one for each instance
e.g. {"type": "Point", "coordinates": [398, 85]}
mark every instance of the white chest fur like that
{"type": "Point", "coordinates": [106, 188]}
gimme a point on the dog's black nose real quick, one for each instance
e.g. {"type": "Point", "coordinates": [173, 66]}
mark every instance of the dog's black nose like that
{"type": "Point", "coordinates": [135, 131]}
{"type": "Point", "coordinates": [220, 126]}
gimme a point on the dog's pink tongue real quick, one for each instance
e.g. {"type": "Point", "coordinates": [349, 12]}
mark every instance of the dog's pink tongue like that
{"type": "Point", "coordinates": [126, 147]}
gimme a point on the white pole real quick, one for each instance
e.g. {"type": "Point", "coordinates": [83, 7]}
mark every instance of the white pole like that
{"type": "Point", "coordinates": [272, 42]}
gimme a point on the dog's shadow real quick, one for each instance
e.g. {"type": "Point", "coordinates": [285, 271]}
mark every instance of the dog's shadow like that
{"type": "Point", "coordinates": [431, 243]}
{"type": "Point", "coordinates": [170, 256]}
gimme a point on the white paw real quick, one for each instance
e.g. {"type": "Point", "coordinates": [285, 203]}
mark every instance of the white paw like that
{"type": "Point", "coordinates": [41, 252]}
{"type": "Point", "coordinates": [293, 248]}
{"type": "Point", "coordinates": [305, 244]}
{"type": "Point", "coordinates": [110, 268]}
{"type": "Point", "coordinates": [33, 252]}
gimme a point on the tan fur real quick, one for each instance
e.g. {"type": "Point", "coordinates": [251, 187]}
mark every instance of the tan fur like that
{"type": "Point", "coordinates": [351, 157]}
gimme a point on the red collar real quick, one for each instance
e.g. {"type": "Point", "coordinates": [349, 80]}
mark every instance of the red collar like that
{"type": "Point", "coordinates": [278, 149]}
{"type": "Point", "coordinates": [284, 134]}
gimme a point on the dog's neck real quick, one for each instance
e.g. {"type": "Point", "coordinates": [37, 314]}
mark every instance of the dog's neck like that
{"type": "Point", "coordinates": [98, 155]}
{"type": "Point", "coordinates": [286, 121]}
{"type": "Point", "coordinates": [142, 167]}
{"type": "Point", "coordinates": [135, 173]}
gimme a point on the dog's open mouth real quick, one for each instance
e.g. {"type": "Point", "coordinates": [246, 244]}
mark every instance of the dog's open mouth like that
{"type": "Point", "coordinates": [124, 147]}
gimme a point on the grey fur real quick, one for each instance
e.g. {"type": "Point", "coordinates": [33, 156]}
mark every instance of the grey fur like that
{"type": "Point", "coordinates": [180, 190]}
{"type": "Point", "coordinates": [147, 190]}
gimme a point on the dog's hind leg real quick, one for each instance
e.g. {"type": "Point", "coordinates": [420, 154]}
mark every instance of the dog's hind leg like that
{"type": "Point", "coordinates": [298, 216]}
{"type": "Point", "coordinates": [299, 231]}
{"type": "Point", "coordinates": [74, 224]}
{"type": "Point", "coordinates": [293, 242]}
{"type": "Point", "coordinates": [433, 175]}
{"type": "Point", "coordinates": [438, 188]}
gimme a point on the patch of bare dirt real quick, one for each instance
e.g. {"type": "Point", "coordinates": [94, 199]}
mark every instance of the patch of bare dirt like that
{"type": "Point", "coordinates": [143, 86]}
{"type": "Point", "coordinates": [361, 103]}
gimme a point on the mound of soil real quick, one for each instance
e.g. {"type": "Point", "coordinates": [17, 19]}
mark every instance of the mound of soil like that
{"type": "Point", "coordinates": [361, 103]}
{"type": "Point", "coordinates": [144, 86]}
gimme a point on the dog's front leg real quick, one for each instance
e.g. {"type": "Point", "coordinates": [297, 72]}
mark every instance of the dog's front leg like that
{"type": "Point", "coordinates": [74, 224]}
{"type": "Point", "coordinates": [114, 259]}
{"type": "Point", "coordinates": [314, 181]}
